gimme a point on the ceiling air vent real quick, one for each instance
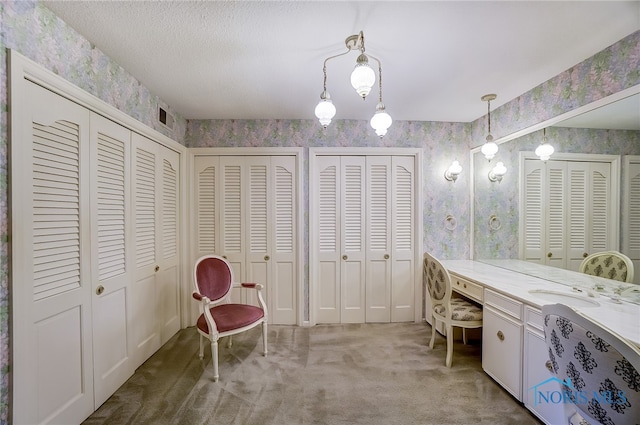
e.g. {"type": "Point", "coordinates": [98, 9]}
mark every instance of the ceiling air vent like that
{"type": "Point", "coordinates": [165, 118]}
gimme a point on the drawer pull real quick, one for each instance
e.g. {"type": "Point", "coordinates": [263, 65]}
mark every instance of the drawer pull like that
{"type": "Point", "coordinates": [500, 335]}
{"type": "Point", "coordinates": [549, 366]}
{"type": "Point", "coordinates": [465, 285]}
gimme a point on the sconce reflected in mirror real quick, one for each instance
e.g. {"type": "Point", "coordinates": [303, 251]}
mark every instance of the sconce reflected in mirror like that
{"type": "Point", "coordinates": [454, 170]}
{"type": "Point", "coordinates": [497, 172]}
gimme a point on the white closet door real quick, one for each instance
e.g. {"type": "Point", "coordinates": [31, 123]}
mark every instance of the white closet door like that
{"type": "Point", "coordinates": [555, 208]}
{"type": "Point", "coordinates": [232, 217]}
{"type": "Point", "coordinates": [283, 240]}
{"type": "Point", "coordinates": [207, 205]}
{"type": "Point", "coordinates": [352, 248]}
{"type": "Point", "coordinates": [146, 332]}
{"type": "Point", "coordinates": [259, 237]}
{"type": "Point", "coordinates": [378, 239]}
{"type": "Point", "coordinates": [111, 260]}
{"type": "Point", "coordinates": [329, 235]}
{"type": "Point", "coordinates": [168, 248]}
{"type": "Point", "coordinates": [589, 207]}
{"type": "Point", "coordinates": [533, 212]}
{"type": "Point", "coordinates": [52, 345]}
{"type": "Point", "coordinates": [403, 267]}
{"type": "Point", "coordinates": [631, 214]}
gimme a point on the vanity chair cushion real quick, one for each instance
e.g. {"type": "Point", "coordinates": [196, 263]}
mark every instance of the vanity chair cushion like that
{"type": "Point", "coordinates": [609, 264]}
{"type": "Point", "coordinates": [599, 368]}
{"type": "Point", "coordinates": [460, 310]}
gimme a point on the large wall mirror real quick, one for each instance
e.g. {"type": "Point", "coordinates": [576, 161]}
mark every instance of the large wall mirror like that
{"type": "Point", "coordinates": [605, 131]}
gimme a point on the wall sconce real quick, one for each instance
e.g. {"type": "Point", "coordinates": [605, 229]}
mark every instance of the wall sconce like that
{"type": "Point", "coordinates": [452, 173]}
{"type": "Point", "coordinates": [497, 172]}
{"type": "Point", "coordinates": [545, 150]}
{"type": "Point", "coordinates": [362, 79]}
{"type": "Point", "coordinates": [490, 148]}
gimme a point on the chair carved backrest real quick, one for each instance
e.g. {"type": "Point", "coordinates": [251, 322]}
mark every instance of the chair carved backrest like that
{"type": "Point", "coordinates": [213, 278]}
{"type": "Point", "coordinates": [599, 368]}
{"type": "Point", "coordinates": [608, 264]}
{"type": "Point", "coordinates": [438, 282]}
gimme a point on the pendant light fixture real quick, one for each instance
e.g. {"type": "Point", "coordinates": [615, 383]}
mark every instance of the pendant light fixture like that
{"type": "Point", "coordinates": [363, 78]}
{"type": "Point", "coordinates": [545, 150]}
{"type": "Point", "coordinates": [490, 148]}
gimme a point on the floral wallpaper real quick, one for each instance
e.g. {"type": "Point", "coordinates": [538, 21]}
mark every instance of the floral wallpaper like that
{"type": "Point", "coordinates": [31, 29]}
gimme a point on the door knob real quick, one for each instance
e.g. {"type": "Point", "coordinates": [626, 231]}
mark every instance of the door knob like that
{"type": "Point", "coordinates": [585, 255]}
{"type": "Point", "coordinates": [549, 255]}
{"type": "Point", "coordinates": [344, 257]}
{"type": "Point", "coordinates": [266, 258]}
{"type": "Point", "coordinates": [386, 256]}
{"type": "Point", "coordinates": [157, 268]}
{"type": "Point", "coordinates": [99, 290]}
{"type": "Point", "coordinates": [500, 335]}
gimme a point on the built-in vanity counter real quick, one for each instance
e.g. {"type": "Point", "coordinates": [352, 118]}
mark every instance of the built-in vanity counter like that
{"type": "Point", "coordinates": [512, 293]}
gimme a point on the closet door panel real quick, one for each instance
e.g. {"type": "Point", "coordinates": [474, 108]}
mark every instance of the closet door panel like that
{"type": "Point", "coordinates": [378, 239]}
{"type": "Point", "coordinates": [631, 215]}
{"type": "Point", "coordinates": [283, 237]}
{"type": "Point", "coordinates": [556, 214]}
{"type": "Point", "coordinates": [146, 332]}
{"type": "Point", "coordinates": [52, 342]}
{"type": "Point", "coordinates": [353, 239]}
{"type": "Point", "coordinates": [258, 224]}
{"type": "Point", "coordinates": [233, 219]}
{"type": "Point", "coordinates": [533, 212]}
{"type": "Point", "coordinates": [206, 174]}
{"type": "Point", "coordinates": [168, 249]}
{"type": "Point", "coordinates": [403, 207]}
{"type": "Point", "coordinates": [111, 259]}
{"type": "Point", "coordinates": [329, 235]}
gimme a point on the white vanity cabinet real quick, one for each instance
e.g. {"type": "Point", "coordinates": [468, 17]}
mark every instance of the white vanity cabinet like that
{"type": "Point", "coordinates": [535, 371]}
{"type": "Point", "coordinates": [502, 341]}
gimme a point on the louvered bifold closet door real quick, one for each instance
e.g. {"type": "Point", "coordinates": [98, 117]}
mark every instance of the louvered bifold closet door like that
{"type": "Point", "coordinates": [232, 235]}
{"type": "Point", "coordinates": [52, 362]}
{"type": "Point", "coordinates": [352, 248]}
{"type": "Point", "coordinates": [533, 212]}
{"type": "Point", "coordinates": [329, 235]}
{"type": "Point", "coordinates": [207, 233]}
{"type": "Point", "coordinates": [556, 213]}
{"type": "Point", "coordinates": [282, 236]}
{"type": "Point", "coordinates": [378, 239]}
{"type": "Point", "coordinates": [168, 275]}
{"type": "Point", "coordinates": [403, 267]}
{"type": "Point", "coordinates": [589, 209]}
{"type": "Point", "coordinates": [112, 262]}
{"type": "Point", "coordinates": [545, 212]}
{"type": "Point", "coordinates": [631, 215]}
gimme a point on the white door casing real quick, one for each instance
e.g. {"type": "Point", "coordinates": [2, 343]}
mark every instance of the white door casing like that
{"type": "Point", "coordinates": [631, 212]}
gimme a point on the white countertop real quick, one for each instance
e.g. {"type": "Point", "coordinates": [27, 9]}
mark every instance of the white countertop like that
{"type": "Point", "coordinates": [516, 278]}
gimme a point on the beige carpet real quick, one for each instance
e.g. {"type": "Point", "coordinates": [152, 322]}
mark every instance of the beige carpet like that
{"type": "Point", "coordinates": [328, 374]}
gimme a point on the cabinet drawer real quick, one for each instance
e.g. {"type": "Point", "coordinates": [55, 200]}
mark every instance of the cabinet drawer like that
{"type": "Point", "coordinates": [503, 303]}
{"type": "Point", "coordinates": [467, 288]}
{"type": "Point", "coordinates": [533, 318]}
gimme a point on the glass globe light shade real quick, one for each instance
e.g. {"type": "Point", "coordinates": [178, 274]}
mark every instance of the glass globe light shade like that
{"type": "Point", "coordinates": [500, 169]}
{"type": "Point", "coordinates": [453, 171]}
{"type": "Point", "coordinates": [490, 148]}
{"type": "Point", "coordinates": [363, 77]}
{"type": "Point", "coordinates": [544, 151]}
{"type": "Point", "coordinates": [381, 121]}
{"type": "Point", "coordinates": [325, 110]}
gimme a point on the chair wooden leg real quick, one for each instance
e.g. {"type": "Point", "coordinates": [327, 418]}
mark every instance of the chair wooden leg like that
{"type": "Point", "coordinates": [464, 336]}
{"type": "Point", "coordinates": [433, 331]}
{"type": "Point", "coordinates": [201, 354]}
{"type": "Point", "coordinates": [230, 341]}
{"type": "Point", "coordinates": [264, 338]}
{"type": "Point", "coordinates": [449, 346]}
{"type": "Point", "coordinates": [214, 359]}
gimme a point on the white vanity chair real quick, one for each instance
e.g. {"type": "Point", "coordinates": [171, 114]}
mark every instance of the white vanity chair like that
{"type": "Point", "coordinates": [610, 264]}
{"type": "Point", "coordinates": [450, 311]}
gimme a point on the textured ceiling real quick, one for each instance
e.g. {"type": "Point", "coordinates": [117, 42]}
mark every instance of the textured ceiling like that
{"type": "Point", "coordinates": [263, 59]}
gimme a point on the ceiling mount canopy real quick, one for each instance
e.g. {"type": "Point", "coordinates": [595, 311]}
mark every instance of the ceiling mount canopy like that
{"type": "Point", "coordinates": [363, 78]}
